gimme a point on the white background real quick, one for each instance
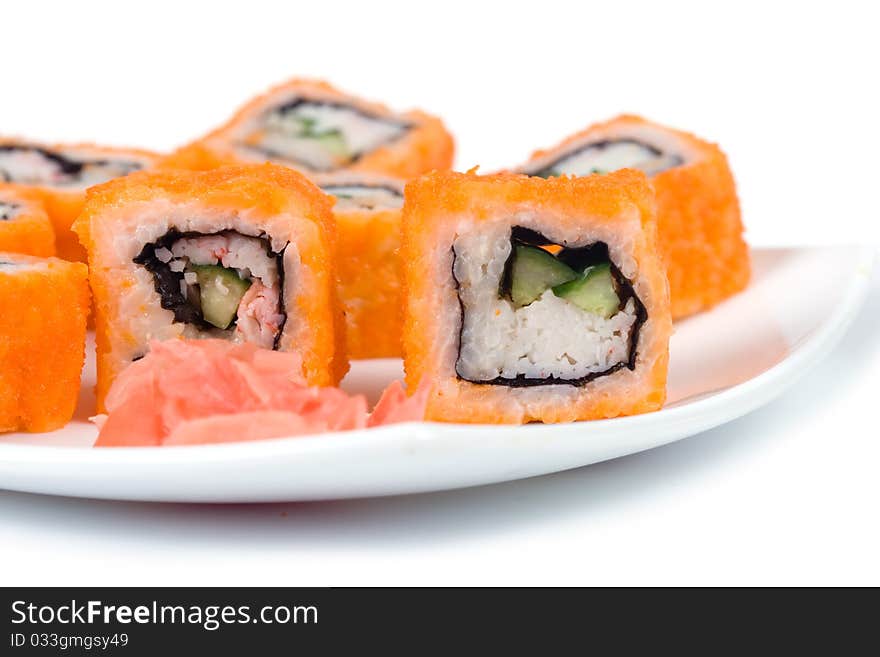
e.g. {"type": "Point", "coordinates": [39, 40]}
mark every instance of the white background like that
{"type": "Point", "coordinates": [788, 494]}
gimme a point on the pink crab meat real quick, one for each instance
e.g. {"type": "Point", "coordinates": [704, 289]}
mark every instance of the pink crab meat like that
{"type": "Point", "coordinates": [258, 319]}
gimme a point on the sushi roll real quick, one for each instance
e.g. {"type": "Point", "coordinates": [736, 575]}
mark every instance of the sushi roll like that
{"type": "Point", "coordinates": [698, 217]}
{"type": "Point", "coordinates": [239, 253]}
{"type": "Point", "coordinates": [315, 128]}
{"type": "Point", "coordinates": [45, 302]}
{"type": "Point", "coordinates": [534, 300]}
{"type": "Point", "coordinates": [59, 176]}
{"type": "Point", "coordinates": [24, 225]}
{"type": "Point", "coordinates": [367, 213]}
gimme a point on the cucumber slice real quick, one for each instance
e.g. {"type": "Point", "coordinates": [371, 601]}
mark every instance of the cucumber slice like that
{"type": "Point", "coordinates": [220, 292]}
{"type": "Point", "coordinates": [593, 291]}
{"type": "Point", "coordinates": [307, 125]}
{"type": "Point", "coordinates": [334, 142]}
{"type": "Point", "coordinates": [533, 271]}
{"type": "Point", "coordinates": [331, 139]}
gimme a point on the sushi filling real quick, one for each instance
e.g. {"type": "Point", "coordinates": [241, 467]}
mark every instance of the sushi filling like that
{"type": "Point", "coordinates": [34, 165]}
{"type": "Point", "coordinates": [322, 136]}
{"type": "Point", "coordinates": [610, 155]}
{"type": "Point", "coordinates": [365, 197]}
{"type": "Point", "coordinates": [226, 284]}
{"type": "Point", "coordinates": [9, 265]}
{"type": "Point", "coordinates": [538, 313]}
{"type": "Point", "coordinates": [8, 210]}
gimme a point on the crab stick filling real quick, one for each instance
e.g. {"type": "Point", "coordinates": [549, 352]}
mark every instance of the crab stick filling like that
{"type": "Point", "coordinates": [225, 284]}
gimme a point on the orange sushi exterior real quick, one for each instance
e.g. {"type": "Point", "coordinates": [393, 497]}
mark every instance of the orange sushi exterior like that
{"type": "Point", "coordinates": [64, 204]}
{"type": "Point", "coordinates": [426, 146]}
{"type": "Point", "coordinates": [197, 156]}
{"type": "Point", "coordinates": [699, 223]}
{"type": "Point", "coordinates": [266, 191]}
{"type": "Point", "coordinates": [42, 341]}
{"type": "Point", "coordinates": [370, 274]}
{"type": "Point", "coordinates": [436, 208]}
{"type": "Point", "coordinates": [30, 232]}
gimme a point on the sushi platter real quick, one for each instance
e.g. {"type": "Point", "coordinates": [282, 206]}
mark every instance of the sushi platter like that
{"type": "Point", "coordinates": [724, 364]}
{"type": "Point", "coordinates": [309, 302]}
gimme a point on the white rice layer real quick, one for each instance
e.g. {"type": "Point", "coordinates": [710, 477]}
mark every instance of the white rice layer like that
{"type": "Point", "coordinates": [8, 211]}
{"type": "Point", "coordinates": [550, 337]}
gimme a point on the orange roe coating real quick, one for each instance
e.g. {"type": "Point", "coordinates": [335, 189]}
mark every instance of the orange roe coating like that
{"type": "Point", "coordinates": [701, 231]}
{"type": "Point", "coordinates": [425, 146]}
{"type": "Point", "coordinates": [197, 157]}
{"type": "Point", "coordinates": [63, 204]}
{"type": "Point", "coordinates": [29, 231]}
{"type": "Point", "coordinates": [440, 205]}
{"type": "Point", "coordinates": [64, 207]}
{"type": "Point", "coordinates": [264, 191]}
{"type": "Point", "coordinates": [699, 226]}
{"type": "Point", "coordinates": [370, 285]}
{"type": "Point", "coordinates": [42, 341]}
{"type": "Point", "coordinates": [370, 275]}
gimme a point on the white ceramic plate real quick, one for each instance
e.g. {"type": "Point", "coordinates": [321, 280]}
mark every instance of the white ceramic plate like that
{"type": "Point", "coordinates": [724, 364]}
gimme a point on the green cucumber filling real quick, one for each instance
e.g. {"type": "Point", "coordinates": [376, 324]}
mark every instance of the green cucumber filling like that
{"type": "Point", "coordinates": [220, 293]}
{"type": "Point", "coordinates": [330, 138]}
{"type": "Point", "coordinates": [594, 291]}
{"type": "Point", "coordinates": [533, 271]}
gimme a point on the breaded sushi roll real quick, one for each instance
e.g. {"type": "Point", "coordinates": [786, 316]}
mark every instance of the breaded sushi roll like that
{"type": "Point", "coordinates": [367, 213]}
{"type": "Point", "coordinates": [698, 218]}
{"type": "Point", "coordinates": [59, 175]}
{"type": "Point", "coordinates": [534, 300]}
{"type": "Point", "coordinates": [311, 126]}
{"type": "Point", "coordinates": [24, 225]}
{"type": "Point", "coordinates": [238, 253]}
{"type": "Point", "coordinates": [44, 303]}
